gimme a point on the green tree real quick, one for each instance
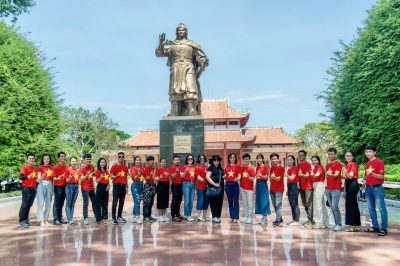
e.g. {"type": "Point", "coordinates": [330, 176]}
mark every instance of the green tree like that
{"type": "Point", "coordinates": [317, 138]}
{"type": "Point", "coordinates": [15, 8]}
{"type": "Point", "coordinates": [363, 96]}
{"type": "Point", "coordinates": [89, 132]}
{"type": "Point", "coordinates": [29, 115]}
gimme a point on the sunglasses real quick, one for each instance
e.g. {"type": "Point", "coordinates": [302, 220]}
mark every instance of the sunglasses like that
{"type": "Point", "coordinates": [190, 158]}
{"type": "Point", "coordinates": [216, 160]}
{"type": "Point", "coordinates": [121, 156]}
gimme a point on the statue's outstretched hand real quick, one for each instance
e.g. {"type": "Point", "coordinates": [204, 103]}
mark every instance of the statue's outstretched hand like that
{"type": "Point", "coordinates": [162, 39]}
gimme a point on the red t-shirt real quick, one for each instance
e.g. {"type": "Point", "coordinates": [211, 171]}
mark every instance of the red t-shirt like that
{"type": "Point", "coordinates": [262, 170]}
{"type": "Point", "coordinates": [47, 172]}
{"type": "Point", "coordinates": [277, 171]}
{"type": "Point", "coordinates": [163, 174]}
{"type": "Point", "coordinates": [59, 171]}
{"type": "Point", "coordinates": [106, 176]}
{"type": "Point", "coordinates": [121, 171]}
{"type": "Point", "coordinates": [319, 169]}
{"type": "Point", "coordinates": [247, 172]}
{"type": "Point", "coordinates": [87, 184]}
{"type": "Point", "coordinates": [352, 167]}
{"type": "Point", "coordinates": [147, 172]}
{"type": "Point", "coordinates": [378, 167]}
{"type": "Point", "coordinates": [189, 176]}
{"type": "Point", "coordinates": [176, 170]}
{"type": "Point", "coordinates": [333, 183]}
{"type": "Point", "coordinates": [293, 171]}
{"type": "Point", "coordinates": [135, 171]}
{"type": "Point", "coordinates": [27, 170]}
{"type": "Point", "coordinates": [74, 173]}
{"type": "Point", "coordinates": [305, 182]}
{"type": "Point", "coordinates": [232, 172]}
{"type": "Point", "coordinates": [201, 171]}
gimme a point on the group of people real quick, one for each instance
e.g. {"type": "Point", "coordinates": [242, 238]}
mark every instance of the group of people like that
{"type": "Point", "coordinates": [319, 187]}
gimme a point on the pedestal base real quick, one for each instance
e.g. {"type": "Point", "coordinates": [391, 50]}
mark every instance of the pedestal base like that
{"type": "Point", "coordinates": [181, 135]}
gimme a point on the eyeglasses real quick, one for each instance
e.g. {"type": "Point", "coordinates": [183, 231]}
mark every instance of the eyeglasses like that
{"type": "Point", "coordinates": [121, 156]}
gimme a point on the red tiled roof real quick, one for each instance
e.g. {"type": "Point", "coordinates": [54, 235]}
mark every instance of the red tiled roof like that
{"type": "Point", "coordinates": [220, 109]}
{"type": "Point", "coordinates": [227, 136]}
{"type": "Point", "coordinates": [271, 136]}
{"type": "Point", "coordinates": [145, 138]}
{"type": "Point", "coordinates": [276, 149]}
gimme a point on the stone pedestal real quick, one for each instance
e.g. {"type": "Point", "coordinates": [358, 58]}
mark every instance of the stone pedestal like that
{"type": "Point", "coordinates": [181, 135]}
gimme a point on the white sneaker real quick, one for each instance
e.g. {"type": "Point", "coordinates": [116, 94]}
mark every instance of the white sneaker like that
{"type": "Point", "coordinates": [331, 226]}
{"type": "Point", "coordinates": [243, 219]}
{"type": "Point", "coordinates": [263, 221]}
{"type": "Point", "coordinates": [207, 218]}
{"type": "Point", "coordinates": [86, 221]}
{"type": "Point", "coordinates": [337, 228]}
{"type": "Point", "coordinates": [166, 218]}
{"type": "Point", "coordinates": [316, 226]}
{"type": "Point", "coordinates": [139, 220]}
{"type": "Point", "coordinates": [160, 219]}
{"type": "Point", "coordinates": [190, 219]}
{"type": "Point", "coordinates": [293, 223]}
{"type": "Point", "coordinates": [134, 219]}
{"type": "Point", "coordinates": [249, 221]}
{"type": "Point", "coordinates": [215, 219]}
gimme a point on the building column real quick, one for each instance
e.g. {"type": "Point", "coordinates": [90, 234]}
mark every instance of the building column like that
{"type": "Point", "coordinates": [225, 155]}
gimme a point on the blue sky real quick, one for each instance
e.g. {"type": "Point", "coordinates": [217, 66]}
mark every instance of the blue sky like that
{"type": "Point", "coordinates": [268, 57]}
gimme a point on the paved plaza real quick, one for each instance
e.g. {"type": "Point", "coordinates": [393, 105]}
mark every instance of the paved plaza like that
{"type": "Point", "coordinates": [187, 243]}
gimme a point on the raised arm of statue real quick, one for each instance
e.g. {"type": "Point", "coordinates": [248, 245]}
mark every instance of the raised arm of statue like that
{"type": "Point", "coordinates": [161, 50]}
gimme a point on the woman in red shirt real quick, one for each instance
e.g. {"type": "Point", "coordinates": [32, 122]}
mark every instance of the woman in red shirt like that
{"type": "Point", "coordinates": [44, 189]}
{"type": "Point", "coordinates": [201, 187]}
{"type": "Point", "coordinates": [291, 173]}
{"type": "Point", "coordinates": [232, 176]}
{"type": "Point", "coordinates": [162, 190]}
{"type": "Point", "coordinates": [317, 174]}
{"type": "Point", "coordinates": [262, 193]}
{"type": "Point", "coordinates": [102, 190]}
{"type": "Point", "coordinates": [350, 173]}
{"type": "Point", "coordinates": [188, 186]}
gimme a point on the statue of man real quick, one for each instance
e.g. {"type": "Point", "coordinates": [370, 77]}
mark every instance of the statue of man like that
{"type": "Point", "coordinates": [187, 61]}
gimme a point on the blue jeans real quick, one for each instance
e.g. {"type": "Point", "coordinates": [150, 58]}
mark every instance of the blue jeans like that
{"type": "Point", "coordinates": [71, 192]}
{"type": "Point", "coordinates": [232, 192]}
{"type": "Point", "coordinates": [202, 200]}
{"type": "Point", "coordinates": [333, 197]}
{"type": "Point", "coordinates": [137, 191]}
{"type": "Point", "coordinates": [262, 198]}
{"type": "Point", "coordinates": [376, 198]}
{"type": "Point", "coordinates": [188, 196]}
{"type": "Point", "coordinates": [276, 198]}
{"type": "Point", "coordinates": [293, 196]}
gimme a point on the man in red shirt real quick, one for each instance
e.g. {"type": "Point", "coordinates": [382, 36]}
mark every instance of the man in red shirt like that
{"type": "Point", "coordinates": [248, 174]}
{"type": "Point", "coordinates": [374, 192]}
{"type": "Point", "coordinates": [59, 182]}
{"type": "Point", "coordinates": [306, 186]}
{"type": "Point", "coordinates": [28, 176]}
{"type": "Point", "coordinates": [277, 187]}
{"type": "Point", "coordinates": [334, 186]}
{"type": "Point", "coordinates": [87, 173]}
{"type": "Point", "coordinates": [119, 173]}
{"type": "Point", "coordinates": [176, 189]}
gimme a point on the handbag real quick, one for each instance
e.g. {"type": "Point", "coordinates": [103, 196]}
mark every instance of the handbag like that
{"type": "Point", "coordinates": [213, 192]}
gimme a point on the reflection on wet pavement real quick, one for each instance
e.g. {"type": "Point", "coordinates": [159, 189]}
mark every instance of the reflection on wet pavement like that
{"type": "Point", "coordinates": [189, 244]}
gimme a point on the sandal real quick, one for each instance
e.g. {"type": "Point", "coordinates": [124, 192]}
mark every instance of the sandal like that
{"type": "Point", "coordinates": [382, 233]}
{"type": "Point", "coordinates": [372, 230]}
{"type": "Point", "coordinates": [350, 229]}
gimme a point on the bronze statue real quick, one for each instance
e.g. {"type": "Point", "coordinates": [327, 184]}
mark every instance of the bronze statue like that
{"type": "Point", "coordinates": [187, 61]}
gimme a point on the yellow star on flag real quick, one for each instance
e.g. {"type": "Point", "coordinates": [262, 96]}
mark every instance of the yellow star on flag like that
{"type": "Point", "coordinates": [300, 172]}
{"type": "Point", "coordinates": [49, 173]}
{"type": "Point", "coordinates": [231, 173]}
{"type": "Point", "coordinates": [191, 173]}
{"type": "Point", "coordinates": [329, 172]}
{"type": "Point", "coordinates": [33, 174]}
{"type": "Point", "coordinates": [273, 175]}
{"type": "Point", "coordinates": [245, 174]}
{"type": "Point", "coordinates": [122, 174]}
{"type": "Point", "coordinates": [76, 176]}
{"type": "Point", "coordinates": [106, 177]}
{"type": "Point", "coordinates": [90, 176]}
{"type": "Point", "coordinates": [166, 173]}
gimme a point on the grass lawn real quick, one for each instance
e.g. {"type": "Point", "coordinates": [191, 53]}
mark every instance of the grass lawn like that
{"type": "Point", "coordinates": [394, 192]}
{"type": "Point", "coordinates": [10, 194]}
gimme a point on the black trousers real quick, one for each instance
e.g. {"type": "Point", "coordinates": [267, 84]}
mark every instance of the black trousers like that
{"type": "Point", "coordinates": [59, 199]}
{"type": "Point", "coordinates": [119, 192]}
{"type": "Point", "coordinates": [216, 204]}
{"type": "Point", "coordinates": [352, 210]}
{"type": "Point", "coordinates": [28, 197]}
{"type": "Point", "coordinates": [86, 195]}
{"type": "Point", "coordinates": [176, 200]}
{"type": "Point", "coordinates": [102, 196]}
{"type": "Point", "coordinates": [147, 208]}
